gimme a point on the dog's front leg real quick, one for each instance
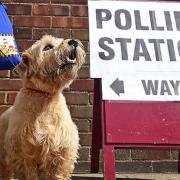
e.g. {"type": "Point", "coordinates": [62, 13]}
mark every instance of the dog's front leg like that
{"type": "Point", "coordinates": [30, 171]}
{"type": "Point", "coordinates": [62, 165]}
{"type": "Point", "coordinates": [6, 172]}
{"type": "Point", "coordinates": [6, 176]}
{"type": "Point", "coordinates": [24, 177]}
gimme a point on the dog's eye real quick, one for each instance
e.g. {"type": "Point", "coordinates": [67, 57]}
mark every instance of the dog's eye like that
{"type": "Point", "coordinates": [48, 47]}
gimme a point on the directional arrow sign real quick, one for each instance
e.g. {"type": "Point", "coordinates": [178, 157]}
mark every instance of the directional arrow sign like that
{"type": "Point", "coordinates": [142, 87]}
{"type": "Point", "coordinates": [117, 86]}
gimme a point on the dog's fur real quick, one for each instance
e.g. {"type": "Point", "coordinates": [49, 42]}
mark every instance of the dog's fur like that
{"type": "Point", "coordinates": [37, 133]}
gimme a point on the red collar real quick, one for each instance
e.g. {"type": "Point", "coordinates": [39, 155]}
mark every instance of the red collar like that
{"type": "Point", "coordinates": [37, 91]}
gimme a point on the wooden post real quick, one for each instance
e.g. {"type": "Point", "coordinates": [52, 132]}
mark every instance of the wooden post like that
{"type": "Point", "coordinates": [96, 128]}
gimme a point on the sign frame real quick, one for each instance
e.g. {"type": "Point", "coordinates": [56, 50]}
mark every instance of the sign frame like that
{"type": "Point", "coordinates": [164, 56]}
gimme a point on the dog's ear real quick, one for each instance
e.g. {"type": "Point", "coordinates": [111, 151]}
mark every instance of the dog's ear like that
{"type": "Point", "coordinates": [22, 68]}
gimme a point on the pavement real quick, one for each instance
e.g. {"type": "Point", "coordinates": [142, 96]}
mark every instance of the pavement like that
{"type": "Point", "coordinates": [139, 176]}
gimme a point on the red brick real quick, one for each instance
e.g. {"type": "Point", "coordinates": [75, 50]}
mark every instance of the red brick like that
{"type": "Point", "coordinates": [83, 167]}
{"type": "Point", "coordinates": [91, 98]}
{"type": "Point", "coordinates": [29, 1]}
{"type": "Point", "coordinates": [51, 10]}
{"type": "Point", "coordinates": [60, 10]}
{"type": "Point", "coordinates": [134, 167]}
{"type": "Point", "coordinates": [165, 167]}
{"type": "Point", "coordinates": [86, 48]}
{"type": "Point", "coordinates": [86, 45]}
{"type": "Point", "coordinates": [69, 1]}
{"type": "Point", "coordinates": [123, 154]}
{"type": "Point", "coordinates": [81, 34]}
{"type": "Point", "coordinates": [7, 1]}
{"type": "Point", "coordinates": [61, 22]}
{"type": "Point", "coordinates": [3, 108]}
{"type": "Point", "coordinates": [84, 154]}
{"type": "Point", "coordinates": [41, 9]}
{"type": "Point", "coordinates": [150, 154]}
{"type": "Point", "coordinates": [61, 33]}
{"type": "Point", "coordinates": [23, 45]}
{"type": "Point", "coordinates": [80, 23]}
{"type": "Point", "coordinates": [87, 62]}
{"type": "Point", "coordinates": [81, 111]}
{"type": "Point", "coordinates": [23, 33]}
{"type": "Point", "coordinates": [79, 11]}
{"type": "Point", "coordinates": [11, 97]}
{"type": "Point", "coordinates": [85, 139]}
{"type": "Point", "coordinates": [70, 22]}
{"type": "Point", "coordinates": [4, 73]}
{"type": "Point", "coordinates": [174, 154]}
{"type": "Point", "coordinates": [84, 72]}
{"type": "Point", "coordinates": [14, 75]}
{"type": "Point", "coordinates": [10, 85]}
{"type": "Point", "coordinates": [2, 97]}
{"type": "Point", "coordinates": [83, 125]}
{"type": "Point", "coordinates": [82, 85]}
{"type": "Point", "coordinates": [76, 98]}
{"type": "Point", "coordinates": [32, 21]}
{"type": "Point", "coordinates": [19, 9]}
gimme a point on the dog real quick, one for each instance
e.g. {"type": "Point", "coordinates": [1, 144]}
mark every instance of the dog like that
{"type": "Point", "coordinates": [37, 134]}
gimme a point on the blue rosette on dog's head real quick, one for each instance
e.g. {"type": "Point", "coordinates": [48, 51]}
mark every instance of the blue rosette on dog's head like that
{"type": "Point", "coordinates": [9, 55]}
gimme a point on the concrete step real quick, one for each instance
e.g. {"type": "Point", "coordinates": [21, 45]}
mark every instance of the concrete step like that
{"type": "Point", "coordinates": [139, 176]}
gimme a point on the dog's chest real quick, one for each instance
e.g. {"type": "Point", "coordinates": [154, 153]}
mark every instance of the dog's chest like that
{"type": "Point", "coordinates": [39, 130]}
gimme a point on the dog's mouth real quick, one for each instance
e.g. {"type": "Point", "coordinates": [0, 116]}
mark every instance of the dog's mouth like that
{"type": "Point", "coordinates": [72, 55]}
{"type": "Point", "coordinates": [71, 59]}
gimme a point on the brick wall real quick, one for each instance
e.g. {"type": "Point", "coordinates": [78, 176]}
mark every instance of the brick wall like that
{"type": "Point", "coordinates": [69, 19]}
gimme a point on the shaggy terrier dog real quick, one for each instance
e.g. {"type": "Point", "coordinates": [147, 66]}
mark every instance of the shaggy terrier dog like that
{"type": "Point", "coordinates": [37, 133]}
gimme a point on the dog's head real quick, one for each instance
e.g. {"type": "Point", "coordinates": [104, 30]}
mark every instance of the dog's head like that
{"type": "Point", "coordinates": [51, 63]}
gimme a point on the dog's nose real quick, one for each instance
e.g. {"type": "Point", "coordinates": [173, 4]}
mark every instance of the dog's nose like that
{"type": "Point", "coordinates": [73, 43]}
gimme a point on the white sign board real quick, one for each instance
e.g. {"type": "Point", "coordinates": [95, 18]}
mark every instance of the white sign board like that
{"type": "Point", "coordinates": [128, 37]}
{"type": "Point", "coordinates": [162, 87]}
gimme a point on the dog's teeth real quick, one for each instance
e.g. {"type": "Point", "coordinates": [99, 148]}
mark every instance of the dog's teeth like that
{"type": "Point", "coordinates": [71, 60]}
{"type": "Point", "coordinates": [58, 71]}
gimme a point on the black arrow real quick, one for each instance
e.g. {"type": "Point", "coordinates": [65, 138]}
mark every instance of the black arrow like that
{"type": "Point", "coordinates": [117, 86]}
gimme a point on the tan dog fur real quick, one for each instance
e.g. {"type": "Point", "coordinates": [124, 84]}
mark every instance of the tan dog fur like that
{"type": "Point", "coordinates": [37, 133]}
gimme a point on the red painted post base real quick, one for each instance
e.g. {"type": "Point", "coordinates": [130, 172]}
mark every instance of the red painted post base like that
{"type": "Point", "coordinates": [179, 162]}
{"type": "Point", "coordinates": [109, 162]}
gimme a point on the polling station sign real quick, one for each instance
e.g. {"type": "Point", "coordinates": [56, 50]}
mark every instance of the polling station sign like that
{"type": "Point", "coordinates": [135, 49]}
{"type": "Point", "coordinates": [129, 36]}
